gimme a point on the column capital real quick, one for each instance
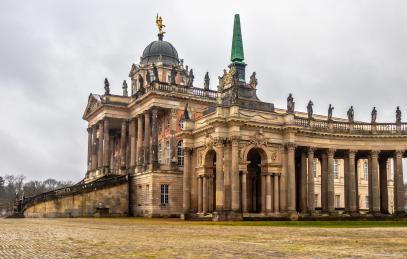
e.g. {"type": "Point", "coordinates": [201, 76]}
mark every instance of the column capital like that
{"type": "Point", "coordinates": [89, 129]}
{"type": "Point", "coordinates": [331, 151]}
{"type": "Point", "coordinates": [311, 150]}
{"type": "Point", "coordinates": [219, 142]}
{"type": "Point", "coordinates": [235, 140]}
{"type": "Point", "coordinates": [290, 146]}
{"type": "Point", "coordinates": [374, 152]}
{"type": "Point", "coordinates": [399, 152]}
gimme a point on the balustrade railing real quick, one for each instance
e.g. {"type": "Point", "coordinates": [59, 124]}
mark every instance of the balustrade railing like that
{"type": "Point", "coordinates": [163, 87]}
{"type": "Point", "coordinates": [351, 127]}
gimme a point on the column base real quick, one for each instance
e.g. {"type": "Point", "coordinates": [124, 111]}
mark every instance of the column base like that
{"type": "Point", "coordinates": [227, 216]}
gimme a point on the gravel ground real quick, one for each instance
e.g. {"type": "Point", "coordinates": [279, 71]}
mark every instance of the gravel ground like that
{"type": "Point", "coordinates": [141, 238]}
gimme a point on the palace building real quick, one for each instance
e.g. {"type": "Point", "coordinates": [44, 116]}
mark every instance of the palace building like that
{"type": "Point", "coordinates": [168, 147]}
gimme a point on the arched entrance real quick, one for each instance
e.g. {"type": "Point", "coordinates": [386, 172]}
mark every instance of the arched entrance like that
{"type": "Point", "coordinates": [254, 190]}
{"type": "Point", "coordinates": [207, 184]}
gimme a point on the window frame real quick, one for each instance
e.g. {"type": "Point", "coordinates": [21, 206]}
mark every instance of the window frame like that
{"type": "Point", "coordinates": [164, 194]}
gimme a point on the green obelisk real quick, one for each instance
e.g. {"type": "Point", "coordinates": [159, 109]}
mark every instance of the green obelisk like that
{"type": "Point", "coordinates": [237, 54]}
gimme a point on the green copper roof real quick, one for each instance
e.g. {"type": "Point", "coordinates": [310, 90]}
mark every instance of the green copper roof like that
{"type": "Point", "coordinates": [237, 43]}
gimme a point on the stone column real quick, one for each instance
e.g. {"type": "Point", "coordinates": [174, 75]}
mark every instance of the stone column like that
{"type": "Point", "coordinates": [106, 144]}
{"type": "Point", "coordinates": [123, 145]}
{"type": "Point", "coordinates": [346, 182]}
{"type": "Point", "coordinates": [263, 194]}
{"type": "Point", "coordinates": [375, 191]}
{"type": "Point", "coordinates": [311, 186]}
{"type": "Point", "coordinates": [330, 185]}
{"type": "Point", "coordinates": [283, 181]}
{"type": "Point", "coordinates": [268, 193]}
{"type": "Point", "coordinates": [94, 148]}
{"type": "Point", "coordinates": [205, 194]}
{"type": "Point", "coordinates": [226, 176]}
{"type": "Point", "coordinates": [200, 194]}
{"type": "Point", "coordinates": [303, 188]}
{"type": "Point", "coordinates": [147, 135]}
{"type": "Point", "coordinates": [210, 193]}
{"type": "Point", "coordinates": [275, 195]}
{"type": "Point", "coordinates": [220, 187]}
{"type": "Point", "coordinates": [132, 134]}
{"type": "Point", "coordinates": [352, 181]}
{"type": "Point", "coordinates": [244, 191]}
{"type": "Point", "coordinates": [154, 140]}
{"type": "Point", "coordinates": [139, 141]}
{"type": "Point", "coordinates": [384, 194]}
{"type": "Point", "coordinates": [173, 131]}
{"type": "Point", "coordinates": [100, 145]}
{"type": "Point", "coordinates": [186, 181]}
{"type": "Point", "coordinates": [399, 199]}
{"type": "Point", "coordinates": [235, 175]}
{"type": "Point", "coordinates": [89, 148]}
{"type": "Point", "coordinates": [324, 182]}
{"type": "Point", "coordinates": [291, 177]}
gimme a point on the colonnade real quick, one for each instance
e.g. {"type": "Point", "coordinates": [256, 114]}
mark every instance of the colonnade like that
{"type": "Point", "coordinates": [377, 179]}
{"type": "Point", "coordinates": [138, 142]}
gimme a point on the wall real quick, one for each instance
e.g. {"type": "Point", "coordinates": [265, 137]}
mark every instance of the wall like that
{"type": "Point", "coordinates": [83, 204]}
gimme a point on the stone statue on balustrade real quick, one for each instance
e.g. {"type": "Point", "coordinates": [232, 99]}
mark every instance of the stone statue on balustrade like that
{"type": "Point", "coordinates": [290, 103]}
{"type": "Point", "coordinates": [374, 115]}
{"type": "Point", "coordinates": [141, 84]}
{"type": "Point", "coordinates": [155, 73]}
{"type": "Point", "coordinates": [125, 87]}
{"type": "Point", "coordinates": [310, 111]}
{"type": "Point", "coordinates": [398, 115]}
{"type": "Point", "coordinates": [191, 77]}
{"type": "Point", "coordinates": [206, 81]}
{"type": "Point", "coordinates": [107, 87]}
{"type": "Point", "coordinates": [173, 75]}
{"type": "Point", "coordinates": [330, 111]}
{"type": "Point", "coordinates": [351, 114]}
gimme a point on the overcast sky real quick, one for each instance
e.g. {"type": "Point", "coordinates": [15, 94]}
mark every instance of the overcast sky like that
{"type": "Point", "coordinates": [54, 53]}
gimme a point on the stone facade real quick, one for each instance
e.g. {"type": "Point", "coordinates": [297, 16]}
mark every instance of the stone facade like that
{"type": "Point", "coordinates": [194, 152]}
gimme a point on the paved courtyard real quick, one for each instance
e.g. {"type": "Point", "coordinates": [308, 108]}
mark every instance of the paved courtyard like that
{"type": "Point", "coordinates": [140, 238]}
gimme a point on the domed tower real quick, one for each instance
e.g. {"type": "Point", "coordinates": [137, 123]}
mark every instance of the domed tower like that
{"type": "Point", "coordinates": [159, 63]}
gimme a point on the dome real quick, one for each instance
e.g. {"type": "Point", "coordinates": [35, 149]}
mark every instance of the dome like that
{"type": "Point", "coordinates": [160, 51]}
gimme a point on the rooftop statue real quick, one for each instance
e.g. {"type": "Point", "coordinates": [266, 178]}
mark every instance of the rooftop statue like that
{"type": "Point", "coordinates": [351, 114]}
{"type": "Point", "coordinates": [374, 115]}
{"type": "Point", "coordinates": [160, 24]}
{"type": "Point", "coordinates": [107, 87]}
{"type": "Point", "coordinates": [124, 87]}
{"type": "Point", "coordinates": [191, 77]}
{"type": "Point", "coordinates": [309, 109]}
{"type": "Point", "coordinates": [398, 115]}
{"type": "Point", "coordinates": [330, 111]}
{"type": "Point", "coordinates": [206, 81]}
{"type": "Point", "coordinates": [141, 82]}
{"type": "Point", "coordinates": [253, 81]}
{"type": "Point", "coordinates": [155, 73]}
{"type": "Point", "coordinates": [173, 75]}
{"type": "Point", "coordinates": [290, 103]}
{"type": "Point", "coordinates": [148, 77]}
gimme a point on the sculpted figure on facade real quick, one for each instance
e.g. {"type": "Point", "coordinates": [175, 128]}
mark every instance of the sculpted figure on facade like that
{"type": "Point", "coordinates": [310, 111]}
{"type": "Point", "coordinates": [253, 81]}
{"type": "Point", "coordinates": [190, 78]}
{"type": "Point", "coordinates": [290, 103]}
{"type": "Point", "coordinates": [398, 115]}
{"type": "Point", "coordinates": [107, 87]}
{"type": "Point", "coordinates": [351, 114]}
{"type": "Point", "coordinates": [155, 73]}
{"type": "Point", "coordinates": [125, 87]}
{"type": "Point", "coordinates": [330, 111]}
{"type": "Point", "coordinates": [173, 75]}
{"type": "Point", "coordinates": [374, 115]}
{"type": "Point", "coordinates": [206, 81]}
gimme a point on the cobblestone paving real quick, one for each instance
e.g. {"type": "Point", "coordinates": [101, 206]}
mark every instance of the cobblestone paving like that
{"type": "Point", "coordinates": [140, 238]}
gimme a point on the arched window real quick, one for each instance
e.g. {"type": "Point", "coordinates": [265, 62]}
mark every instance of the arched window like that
{"type": "Point", "coordinates": [180, 154]}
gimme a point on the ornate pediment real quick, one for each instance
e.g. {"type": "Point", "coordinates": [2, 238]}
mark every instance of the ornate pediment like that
{"type": "Point", "coordinates": [258, 139]}
{"type": "Point", "coordinates": [94, 102]}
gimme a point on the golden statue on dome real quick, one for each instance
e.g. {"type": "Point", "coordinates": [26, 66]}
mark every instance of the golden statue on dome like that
{"type": "Point", "coordinates": [160, 24]}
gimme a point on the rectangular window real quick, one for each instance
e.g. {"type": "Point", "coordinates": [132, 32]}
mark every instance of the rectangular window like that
{"type": "Point", "coordinates": [164, 194]}
{"type": "Point", "coordinates": [337, 201]}
{"type": "Point", "coordinates": [167, 153]}
{"type": "Point", "coordinates": [365, 171]}
{"type": "Point", "coordinates": [336, 171]}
